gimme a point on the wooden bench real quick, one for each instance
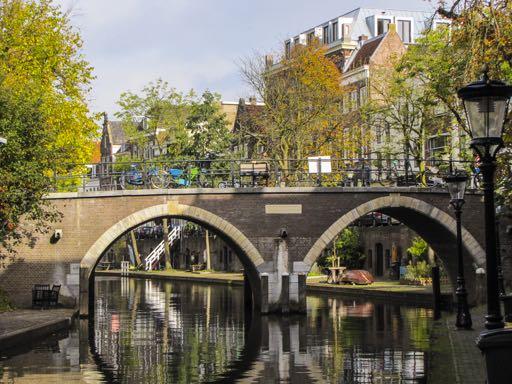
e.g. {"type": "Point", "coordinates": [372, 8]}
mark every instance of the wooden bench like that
{"type": "Point", "coordinates": [255, 169]}
{"type": "Point", "coordinates": [44, 297]}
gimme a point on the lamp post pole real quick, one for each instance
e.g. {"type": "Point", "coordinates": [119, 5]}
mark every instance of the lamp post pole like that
{"type": "Point", "coordinates": [486, 104]}
{"type": "Point", "coordinates": [493, 319]}
{"type": "Point", "coordinates": [456, 183]}
{"type": "Point", "coordinates": [463, 315]}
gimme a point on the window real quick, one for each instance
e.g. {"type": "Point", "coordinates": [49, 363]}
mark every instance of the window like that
{"type": "Point", "coordinates": [404, 30]}
{"type": "Point", "coordinates": [325, 35]}
{"type": "Point", "coordinates": [382, 26]}
{"type": "Point", "coordinates": [346, 31]}
{"type": "Point", "coordinates": [353, 100]}
{"type": "Point", "coordinates": [335, 31]}
{"type": "Point", "coordinates": [287, 49]}
{"type": "Point", "coordinates": [363, 93]}
{"type": "Point", "coordinates": [370, 258]}
{"type": "Point", "coordinates": [378, 135]}
{"type": "Point", "coordinates": [311, 36]}
{"type": "Point", "coordinates": [296, 41]}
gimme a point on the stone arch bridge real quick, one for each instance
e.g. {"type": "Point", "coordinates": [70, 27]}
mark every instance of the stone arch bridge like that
{"type": "Point", "coordinates": [251, 220]}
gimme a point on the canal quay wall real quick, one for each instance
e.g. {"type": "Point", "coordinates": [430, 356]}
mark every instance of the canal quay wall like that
{"type": "Point", "coordinates": [395, 293]}
{"type": "Point", "coordinates": [20, 328]}
{"type": "Point", "coordinates": [278, 234]}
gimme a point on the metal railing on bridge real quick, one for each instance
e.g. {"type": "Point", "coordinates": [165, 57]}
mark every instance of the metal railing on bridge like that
{"type": "Point", "coordinates": [231, 173]}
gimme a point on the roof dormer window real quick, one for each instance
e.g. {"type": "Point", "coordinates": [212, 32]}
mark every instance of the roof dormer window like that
{"type": "Point", "coordinates": [382, 25]}
{"type": "Point", "coordinates": [404, 30]}
{"type": "Point", "coordinates": [325, 34]}
{"type": "Point", "coordinates": [335, 35]}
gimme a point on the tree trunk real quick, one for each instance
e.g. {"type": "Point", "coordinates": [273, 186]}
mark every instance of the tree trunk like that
{"type": "Point", "coordinates": [208, 260]}
{"type": "Point", "coordinates": [167, 248]}
{"type": "Point", "coordinates": [135, 248]}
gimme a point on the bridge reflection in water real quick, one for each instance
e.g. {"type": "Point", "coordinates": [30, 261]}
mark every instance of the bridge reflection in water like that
{"type": "Point", "coordinates": [156, 332]}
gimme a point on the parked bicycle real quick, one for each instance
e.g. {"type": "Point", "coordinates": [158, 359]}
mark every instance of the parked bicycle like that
{"type": "Point", "coordinates": [180, 178]}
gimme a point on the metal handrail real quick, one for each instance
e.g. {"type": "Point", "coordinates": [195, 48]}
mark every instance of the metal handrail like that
{"type": "Point", "coordinates": [156, 253]}
{"type": "Point", "coordinates": [221, 173]}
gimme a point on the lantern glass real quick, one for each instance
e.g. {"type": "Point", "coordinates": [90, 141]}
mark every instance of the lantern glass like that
{"type": "Point", "coordinates": [456, 186]}
{"type": "Point", "coordinates": [486, 116]}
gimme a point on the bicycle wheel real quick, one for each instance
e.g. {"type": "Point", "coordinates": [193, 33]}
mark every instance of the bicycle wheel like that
{"type": "Point", "coordinates": [157, 181]}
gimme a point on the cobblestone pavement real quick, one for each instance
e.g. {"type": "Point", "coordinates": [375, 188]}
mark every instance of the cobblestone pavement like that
{"type": "Point", "coordinates": [455, 356]}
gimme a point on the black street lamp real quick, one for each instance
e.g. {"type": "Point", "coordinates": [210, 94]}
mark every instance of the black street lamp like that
{"type": "Point", "coordinates": [486, 104]}
{"type": "Point", "coordinates": [456, 183]}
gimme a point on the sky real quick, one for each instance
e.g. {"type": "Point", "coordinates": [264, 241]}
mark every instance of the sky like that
{"type": "Point", "coordinates": [192, 44]}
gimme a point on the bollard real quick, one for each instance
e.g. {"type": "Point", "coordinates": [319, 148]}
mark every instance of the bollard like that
{"type": "Point", "coordinates": [302, 306]}
{"type": "Point", "coordinates": [264, 293]}
{"type": "Point", "coordinates": [247, 293]}
{"type": "Point", "coordinates": [285, 293]}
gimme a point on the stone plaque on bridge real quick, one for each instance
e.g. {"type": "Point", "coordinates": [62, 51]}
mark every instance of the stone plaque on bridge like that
{"type": "Point", "coordinates": [283, 209]}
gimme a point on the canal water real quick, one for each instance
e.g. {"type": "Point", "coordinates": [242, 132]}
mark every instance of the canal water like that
{"type": "Point", "coordinates": [148, 331]}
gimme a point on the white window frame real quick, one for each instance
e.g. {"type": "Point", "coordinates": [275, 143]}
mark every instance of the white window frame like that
{"type": "Point", "coordinates": [411, 20]}
{"type": "Point", "coordinates": [376, 23]}
{"type": "Point", "coordinates": [326, 36]}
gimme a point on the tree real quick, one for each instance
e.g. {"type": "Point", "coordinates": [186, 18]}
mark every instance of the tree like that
{"type": "Point", "coordinates": [348, 248]}
{"type": "Point", "coordinates": [444, 60]}
{"type": "Point", "coordinates": [302, 99]}
{"type": "Point", "coordinates": [24, 180]}
{"type": "Point", "coordinates": [407, 107]}
{"type": "Point", "coordinates": [207, 127]}
{"type": "Point", "coordinates": [179, 124]}
{"type": "Point", "coordinates": [41, 59]}
{"type": "Point", "coordinates": [159, 114]}
{"type": "Point", "coordinates": [44, 82]}
{"type": "Point", "coordinates": [418, 249]}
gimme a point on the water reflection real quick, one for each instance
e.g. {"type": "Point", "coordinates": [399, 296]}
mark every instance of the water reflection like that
{"type": "Point", "coordinates": [147, 331]}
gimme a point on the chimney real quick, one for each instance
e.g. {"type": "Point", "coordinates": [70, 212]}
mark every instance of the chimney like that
{"type": "Point", "coordinates": [269, 61]}
{"type": "Point", "coordinates": [361, 39]}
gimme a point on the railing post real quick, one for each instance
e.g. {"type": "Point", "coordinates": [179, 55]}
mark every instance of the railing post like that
{"type": "Point", "coordinates": [319, 171]}
{"type": "Point", "coordinates": [232, 172]}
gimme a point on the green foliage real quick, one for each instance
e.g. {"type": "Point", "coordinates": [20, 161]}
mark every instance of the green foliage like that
{"type": "Point", "coordinates": [443, 60]}
{"type": "Point", "coordinates": [420, 270]}
{"type": "Point", "coordinates": [207, 127]}
{"type": "Point", "coordinates": [5, 304]}
{"type": "Point", "coordinates": [24, 179]}
{"type": "Point", "coordinates": [41, 60]}
{"type": "Point", "coordinates": [44, 82]}
{"type": "Point", "coordinates": [418, 249]}
{"type": "Point", "coordinates": [348, 248]}
{"type": "Point", "coordinates": [179, 123]}
{"type": "Point", "coordinates": [159, 113]}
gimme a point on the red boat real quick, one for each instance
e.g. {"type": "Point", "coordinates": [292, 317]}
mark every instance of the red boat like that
{"type": "Point", "coordinates": [357, 276]}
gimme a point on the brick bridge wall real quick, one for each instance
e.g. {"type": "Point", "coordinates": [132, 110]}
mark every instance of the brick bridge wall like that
{"type": "Point", "coordinates": [250, 220]}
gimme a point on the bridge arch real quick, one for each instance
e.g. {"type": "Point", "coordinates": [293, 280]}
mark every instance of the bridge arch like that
{"type": "Point", "coordinates": [247, 252]}
{"type": "Point", "coordinates": [435, 226]}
